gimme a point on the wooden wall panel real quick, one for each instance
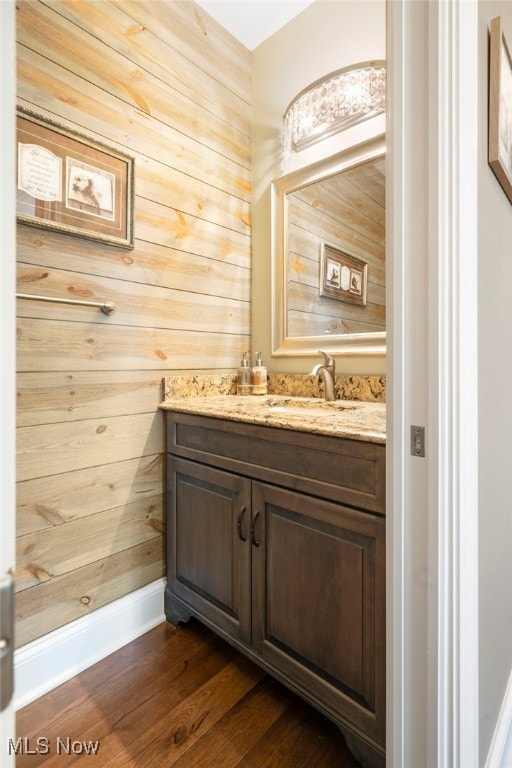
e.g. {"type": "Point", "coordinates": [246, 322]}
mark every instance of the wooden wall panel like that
{"type": "Point", "coordinates": [147, 46]}
{"type": "Point", "coordinates": [160, 80]}
{"type": "Point", "coordinates": [50, 501]}
{"type": "Point", "coordinates": [148, 263]}
{"type": "Point", "coordinates": [47, 449]}
{"type": "Point", "coordinates": [85, 105]}
{"type": "Point", "coordinates": [58, 40]}
{"type": "Point", "coordinates": [157, 308]}
{"type": "Point", "coordinates": [64, 548]}
{"type": "Point", "coordinates": [188, 29]}
{"type": "Point", "coordinates": [56, 396]}
{"type": "Point", "coordinates": [53, 603]}
{"type": "Point", "coordinates": [42, 346]}
{"type": "Point", "coordinates": [160, 224]}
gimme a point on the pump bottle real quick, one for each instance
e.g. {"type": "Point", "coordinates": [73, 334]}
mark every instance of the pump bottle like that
{"type": "Point", "coordinates": [243, 379]}
{"type": "Point", "coordinates": [259, 377]}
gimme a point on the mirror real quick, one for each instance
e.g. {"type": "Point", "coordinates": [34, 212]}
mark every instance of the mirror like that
{"type": "Point", "coordinates": [329, 255]}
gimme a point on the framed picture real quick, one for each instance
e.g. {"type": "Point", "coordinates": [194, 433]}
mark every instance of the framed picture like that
{"type": "Point", "coordinates": [500, 107]}
{"type": "Point", "coordinates": [73, 184]}
{"type": "Point", "coordinates": [342, 275]}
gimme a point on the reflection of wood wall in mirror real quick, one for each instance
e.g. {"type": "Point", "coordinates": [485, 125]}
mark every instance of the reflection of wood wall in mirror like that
{"type": "Point", "coordinates": [348, 211]}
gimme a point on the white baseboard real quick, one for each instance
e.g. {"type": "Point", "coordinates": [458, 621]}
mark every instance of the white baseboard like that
{"type": "Point", "coordinates": [500, 753]}
{"type": "Point", "coordinates": [54, 658]}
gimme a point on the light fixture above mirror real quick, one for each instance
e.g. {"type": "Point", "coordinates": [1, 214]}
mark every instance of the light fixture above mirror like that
{"type": "Point", "coordinates": [335, 102]}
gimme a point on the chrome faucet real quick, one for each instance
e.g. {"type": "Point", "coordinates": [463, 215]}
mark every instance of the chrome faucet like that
{"type": "Point", "coordinates": [326, 371]}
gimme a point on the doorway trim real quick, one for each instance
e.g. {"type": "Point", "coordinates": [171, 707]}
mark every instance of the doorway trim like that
{"type": "Point", "coordinates": [7, 330]}
{"type": "Point", "coordinates": [433, 716]}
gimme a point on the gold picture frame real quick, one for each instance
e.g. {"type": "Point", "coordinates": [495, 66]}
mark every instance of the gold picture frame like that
{"type": "Point", "coordinates": [500, 107]}
{"type": "Point", "coordinates": [342, 275]}
{"type": "Point", "coordinates": [72, 184]}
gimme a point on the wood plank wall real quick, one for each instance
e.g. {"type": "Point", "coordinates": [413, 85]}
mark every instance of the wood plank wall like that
{"type": "Point", "coordinates": [160, 80]}
{"type": "Point", "coordinates": [346, 211]}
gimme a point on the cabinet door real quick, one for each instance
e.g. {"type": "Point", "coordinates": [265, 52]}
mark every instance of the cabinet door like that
{"type": "Point", "coordinates": [208, 546]}
{"type": "Point", "coordinates": [319, 603]}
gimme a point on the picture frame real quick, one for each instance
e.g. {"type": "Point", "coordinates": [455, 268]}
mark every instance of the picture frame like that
{"type": "Point", "coordinates": [500, 107]}
{"type": "Point", "coordinates": [343, 276]}
{"type": "Point", "coordinates": [70, 183]}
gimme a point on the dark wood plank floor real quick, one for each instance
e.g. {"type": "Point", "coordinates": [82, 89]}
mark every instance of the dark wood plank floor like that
{"type": "Point", "coordinates": [176, 697]}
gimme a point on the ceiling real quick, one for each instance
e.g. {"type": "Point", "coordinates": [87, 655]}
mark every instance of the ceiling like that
{"type": "Point", "coordinates": [252, 21]}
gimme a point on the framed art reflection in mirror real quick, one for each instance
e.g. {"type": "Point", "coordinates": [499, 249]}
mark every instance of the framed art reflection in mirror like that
{"type": "Point", "coordinates": [342, 276]}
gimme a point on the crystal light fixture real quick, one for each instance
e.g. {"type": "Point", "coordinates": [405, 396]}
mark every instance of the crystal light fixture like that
{"type": "Point", "coordinates": [337, 101]}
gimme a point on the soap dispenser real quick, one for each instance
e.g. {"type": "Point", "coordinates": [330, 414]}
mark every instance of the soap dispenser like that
{"type": "Point", "coordinates": [243, 379]}
{"type": "Point", "coordinates": [259, 377]}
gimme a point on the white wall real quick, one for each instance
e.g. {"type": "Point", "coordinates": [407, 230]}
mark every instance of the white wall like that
{"type": "Point", "coordinates": [323, 38]}
{"type": "Point", "coordinates": [495, 410]}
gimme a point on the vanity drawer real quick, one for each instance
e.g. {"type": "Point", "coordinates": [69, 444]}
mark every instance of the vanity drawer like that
{"type": "Point", "coordinates": [344, 470]}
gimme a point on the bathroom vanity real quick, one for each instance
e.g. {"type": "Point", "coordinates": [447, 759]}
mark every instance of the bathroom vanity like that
{"type": "Point", "coordinates": [276, 540]}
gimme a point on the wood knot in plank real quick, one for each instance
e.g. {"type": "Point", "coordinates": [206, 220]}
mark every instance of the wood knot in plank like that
{"type": "Point", "coordinates": [50, 515]}
{"type": "Point", "coordinates": [33, 278]}
{"type": "Point", "coordinates": [135, 29]}
{"type": "Point", "coordinates": [138, 99]}
{"type": "Point", "coordinates": [155, 462]}
{"type": "Point", "coordinates": [38, 572]}
{"type": "Point", "coordinates": [180, 735]}
{"type": "Point", "coordinates": [198, 723]}
{"type": "Point", "coordinates": [180, 227]}
{"type": "Point", "coordinates": [84, 292]}
{"type": "Point", "coordinates": [200, 22]}
{"type": "Point", "coordinates": [157, 525]}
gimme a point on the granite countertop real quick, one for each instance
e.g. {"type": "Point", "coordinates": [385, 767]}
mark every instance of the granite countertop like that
{"type": "Point", "coordinates": [353, 419]}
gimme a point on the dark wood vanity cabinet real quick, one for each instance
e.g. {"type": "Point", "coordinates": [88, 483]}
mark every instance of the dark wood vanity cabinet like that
{"type": "Point", "coordinates": [209, 561]}
{"type": "Point", "coordinates": [263, 549]}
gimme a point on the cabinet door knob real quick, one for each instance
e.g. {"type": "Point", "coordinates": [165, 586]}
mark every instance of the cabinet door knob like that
{"type": "Point", "coordinates": [239, 523]}
{"type": "Point", "coordinates": [254, 520]}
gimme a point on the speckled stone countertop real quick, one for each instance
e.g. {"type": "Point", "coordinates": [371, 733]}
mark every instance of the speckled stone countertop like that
{"type": "Point", "coordinates": [354, 419]}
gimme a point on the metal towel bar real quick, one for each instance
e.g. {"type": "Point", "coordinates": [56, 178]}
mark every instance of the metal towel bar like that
{"type": "Point", "coordinates": [107, 307]}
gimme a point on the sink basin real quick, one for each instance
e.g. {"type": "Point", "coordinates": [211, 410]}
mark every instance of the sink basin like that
{"type": "Point", "coordinates": [290, 410]}
{"type": "Point", "coordinates": [307, 406]}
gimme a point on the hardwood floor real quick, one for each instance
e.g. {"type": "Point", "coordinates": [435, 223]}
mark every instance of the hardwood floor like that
{"type": "Point", "coordinates": [176, 697]}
